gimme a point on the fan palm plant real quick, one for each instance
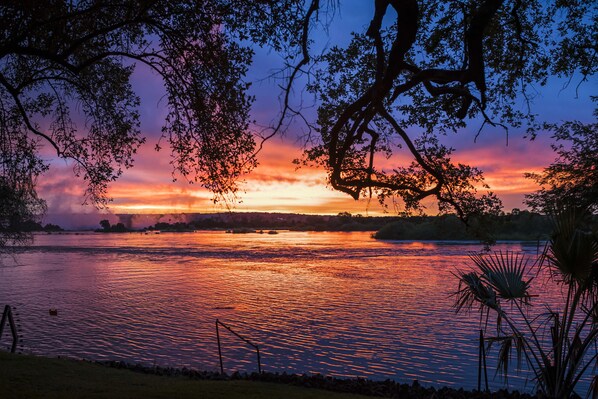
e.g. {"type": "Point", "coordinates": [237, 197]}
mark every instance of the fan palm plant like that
{"type": "Point", "coordinates": [561, 347]}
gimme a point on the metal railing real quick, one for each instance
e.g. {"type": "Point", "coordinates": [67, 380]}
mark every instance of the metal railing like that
{"type": "Point", "coordinates": [257, 349]}
{"type": "Point", "coordinates": [7, 315]}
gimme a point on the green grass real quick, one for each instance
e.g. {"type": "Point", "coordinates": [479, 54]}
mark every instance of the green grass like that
{"type": "Point", "coordinates": [24, 376]}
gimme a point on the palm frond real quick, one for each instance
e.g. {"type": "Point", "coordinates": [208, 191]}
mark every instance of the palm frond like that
{"type": "Point", "coordinates": [573, 251]}
{"type": "Point", "coordinates": [558, 345]}
{"type": "Point", "coordinates": [575, 347]}
{"type": "Point", "coordinates": [590, 308]}
{"type": "Point", "coordinates": [504, 273]}
{"type": "Point", "coordinates": [507, 343]}
{"type": "Point", "coordinates": [471, 291]}
{"type": "Point", "coordinates": [520, 347]}
{"type": "Point", "coordinates": [504, 357]}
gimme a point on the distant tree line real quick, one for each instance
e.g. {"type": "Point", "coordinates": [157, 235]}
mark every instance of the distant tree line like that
{"type": "Point", "coordinates": [29, 226]}
{"type": "Point", "coordinates": [108, 228]}
{"type": "Point", "coordinates": [344, 221]}
{"type": "Point", "coordinates": [518, 225]}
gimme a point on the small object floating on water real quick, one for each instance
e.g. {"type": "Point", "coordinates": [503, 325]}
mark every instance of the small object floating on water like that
{"type": "Point", "coordinates": [53, 312]}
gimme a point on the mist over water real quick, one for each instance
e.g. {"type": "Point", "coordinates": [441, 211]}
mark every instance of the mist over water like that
{"type": "Point", "coordinates": [340, 304]}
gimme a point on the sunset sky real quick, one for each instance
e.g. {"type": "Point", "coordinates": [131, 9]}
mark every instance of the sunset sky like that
{"type": "Point", "coordinates": [276, 185]}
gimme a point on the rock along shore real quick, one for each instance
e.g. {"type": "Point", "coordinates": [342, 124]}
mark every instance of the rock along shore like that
{"type": "Point", "coordinates": [387, 388]}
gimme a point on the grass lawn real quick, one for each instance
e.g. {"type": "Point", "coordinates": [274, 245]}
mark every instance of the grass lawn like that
{"type": "Point", "coordinates": [23, 376]}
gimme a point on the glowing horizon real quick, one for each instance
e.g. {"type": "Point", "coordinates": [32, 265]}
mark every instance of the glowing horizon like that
{"type": "Point", "coordinates": [276, 185]}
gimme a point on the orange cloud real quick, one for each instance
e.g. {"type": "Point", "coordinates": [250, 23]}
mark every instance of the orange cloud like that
{"type": "Point", "coordinates": [276, 185]}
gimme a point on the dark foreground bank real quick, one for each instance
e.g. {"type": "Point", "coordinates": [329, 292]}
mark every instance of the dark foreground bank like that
{"type": "Point", "coordinates": [23, 376]}
{"type": "Point", "coordinates": [29, 377]}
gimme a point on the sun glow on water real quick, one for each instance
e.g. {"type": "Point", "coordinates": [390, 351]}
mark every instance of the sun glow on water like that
{"type": "Point", "coordinates": [342, 304]}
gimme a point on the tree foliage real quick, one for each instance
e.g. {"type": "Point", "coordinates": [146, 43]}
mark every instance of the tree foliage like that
{"type": "Point", "coordinates": [573, 176]}
{"type": "Point", "coordinates": [65, 81]}
{"type": "Point", "coordinates": [18, 203]}
{"type": "Point", "coordinates": [65, 78]}
{"type": "Point", "coordinates": [439, 67]}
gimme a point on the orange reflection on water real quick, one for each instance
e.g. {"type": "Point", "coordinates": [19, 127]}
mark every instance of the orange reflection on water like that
{"type": "Point", "coordinates": [420, 245]}
{"type": "Point", "coordinates": [342, 304]}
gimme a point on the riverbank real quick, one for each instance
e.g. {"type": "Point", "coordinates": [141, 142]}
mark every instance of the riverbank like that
{"type": "Point", "coordinates": [25, 376]}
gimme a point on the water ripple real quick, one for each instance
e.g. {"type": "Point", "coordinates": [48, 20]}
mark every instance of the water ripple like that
{"type": "Point", "coordinates": [342, 304]}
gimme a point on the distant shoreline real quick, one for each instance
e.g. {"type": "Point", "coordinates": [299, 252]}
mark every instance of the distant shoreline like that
{"type": "Point", "coordinates": [516, 226]}
{"type": "Point", "coordinates": [260, 232]}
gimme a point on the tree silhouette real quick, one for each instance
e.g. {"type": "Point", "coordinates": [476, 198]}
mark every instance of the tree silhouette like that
{"type": "Point", "coordinates": [105, 224]}
{"type": "Point", "coordinates": [573, 177]}
{"type": "Point", "coordinates": [65, 70]}
{"type": "Point", "coordinates": [439, 67]}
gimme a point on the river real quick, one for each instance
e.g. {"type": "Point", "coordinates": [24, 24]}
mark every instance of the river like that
{"type": "Point", "coordinates": [341, 304]}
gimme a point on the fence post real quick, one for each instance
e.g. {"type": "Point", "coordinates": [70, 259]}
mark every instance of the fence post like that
{"type": "Point", "coordinates": [219, 350]}
{"type": "Point", "coordinates": [257, 349]}
{"type": "Point", "coordinates": [259, 363]}
{"type": "Point", "coordinates": [7, 315]}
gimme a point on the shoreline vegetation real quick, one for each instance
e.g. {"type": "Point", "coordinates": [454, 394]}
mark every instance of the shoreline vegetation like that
{"type": "Point", "coordinates": [27, 376]}
{"type": "Point", "coordinates": [515, 226]}
{"type": "Point", "coordinates": [520, 226]}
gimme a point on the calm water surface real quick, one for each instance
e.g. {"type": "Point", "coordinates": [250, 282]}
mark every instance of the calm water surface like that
{"type": "Point", "coordinates": [342, 304]}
